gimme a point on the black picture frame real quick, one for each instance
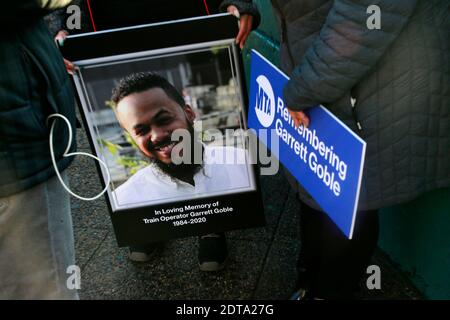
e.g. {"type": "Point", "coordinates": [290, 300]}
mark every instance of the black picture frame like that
{"type": "Point", "coordinates": [133, 226]}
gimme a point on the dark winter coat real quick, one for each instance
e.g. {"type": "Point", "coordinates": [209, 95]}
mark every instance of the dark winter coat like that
{"type": "Point", "coordinates": [399, 76]}
{"type": "Point", "coordinates": [33, 84]}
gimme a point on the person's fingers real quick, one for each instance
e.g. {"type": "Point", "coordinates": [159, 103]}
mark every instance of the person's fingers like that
{"type": "Point", "coordinates": [233, 10]}
{"type": "Point", "coordinates": [304, 119]}
{"type": "Point", "coordinates": [245, 25]}
{"type": "Point", "coordinates": [295, 118]}
{"type": "Point", "coordinates": [296, 122]}
{"type": "Point", "coordinates": [245, 30]}
{"type": "Point", "coordinates": [61, 36]}
{"type": "Point", "coordinates": [242, 29]}
{"type": "Point", "coordinates": [300, 118]}
{"type": "Point", "coordinates": [69, 66]}
{"type": "Point", "coordinates": [248, 28]}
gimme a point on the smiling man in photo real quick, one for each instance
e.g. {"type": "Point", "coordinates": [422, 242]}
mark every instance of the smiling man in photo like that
{"type": "Point", "coordinates": [150, 109]}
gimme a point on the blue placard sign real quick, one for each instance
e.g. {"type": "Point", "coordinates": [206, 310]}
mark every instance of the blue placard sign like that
{"type": "Point", "coordinates": [327, 158]}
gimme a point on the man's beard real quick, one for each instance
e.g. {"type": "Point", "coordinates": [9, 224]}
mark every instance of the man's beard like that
{"type": "Point", "coordinates": [183, 171]}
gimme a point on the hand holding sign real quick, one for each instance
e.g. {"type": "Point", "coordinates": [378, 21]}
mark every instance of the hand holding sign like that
{"type": "Point", "coordinates": [324, 155]}
{"type": "Point", "coordinates": [300, 118]}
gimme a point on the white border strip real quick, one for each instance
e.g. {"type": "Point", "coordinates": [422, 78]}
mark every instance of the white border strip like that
{"type": "Point", "coordinates": [358, 190]}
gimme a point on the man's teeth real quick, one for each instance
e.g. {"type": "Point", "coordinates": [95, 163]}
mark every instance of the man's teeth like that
{"type": "Point", "coordinates": [167, 146]}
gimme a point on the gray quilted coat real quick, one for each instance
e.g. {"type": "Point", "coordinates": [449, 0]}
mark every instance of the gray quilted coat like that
{"type": "Point", "coordinates": [399, 76]}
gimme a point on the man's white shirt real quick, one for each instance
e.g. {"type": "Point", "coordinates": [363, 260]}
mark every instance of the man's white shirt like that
{"type": "Point", "coordinates": [225, 170]}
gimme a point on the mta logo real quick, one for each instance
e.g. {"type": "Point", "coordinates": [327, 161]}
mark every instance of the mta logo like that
{"type": "Point", "coordinates": [264, 102]}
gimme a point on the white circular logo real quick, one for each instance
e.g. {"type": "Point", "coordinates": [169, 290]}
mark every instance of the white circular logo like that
{"type": "Point", "coordinates": [265, 102]}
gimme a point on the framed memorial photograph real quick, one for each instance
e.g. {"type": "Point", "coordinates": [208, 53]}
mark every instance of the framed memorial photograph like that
{"type": "Point", "coordinates": [164, 106]}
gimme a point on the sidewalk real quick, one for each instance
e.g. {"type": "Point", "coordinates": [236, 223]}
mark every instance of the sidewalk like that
{"type": "Point", "coordinates": [261, 265]}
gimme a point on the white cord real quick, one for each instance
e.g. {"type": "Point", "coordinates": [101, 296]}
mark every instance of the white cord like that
{"type": "Point", "coordinates": [66, 154]}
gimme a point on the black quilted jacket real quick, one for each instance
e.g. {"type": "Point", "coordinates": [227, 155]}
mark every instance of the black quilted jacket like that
{"type": "Point", "coordinates": [33, 84]}
{"type": "Point", "coordinates": [399, 76]}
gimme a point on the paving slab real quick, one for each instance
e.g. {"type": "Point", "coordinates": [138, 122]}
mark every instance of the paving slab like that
{"type": "Point", "coordinates": [173, 274]}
